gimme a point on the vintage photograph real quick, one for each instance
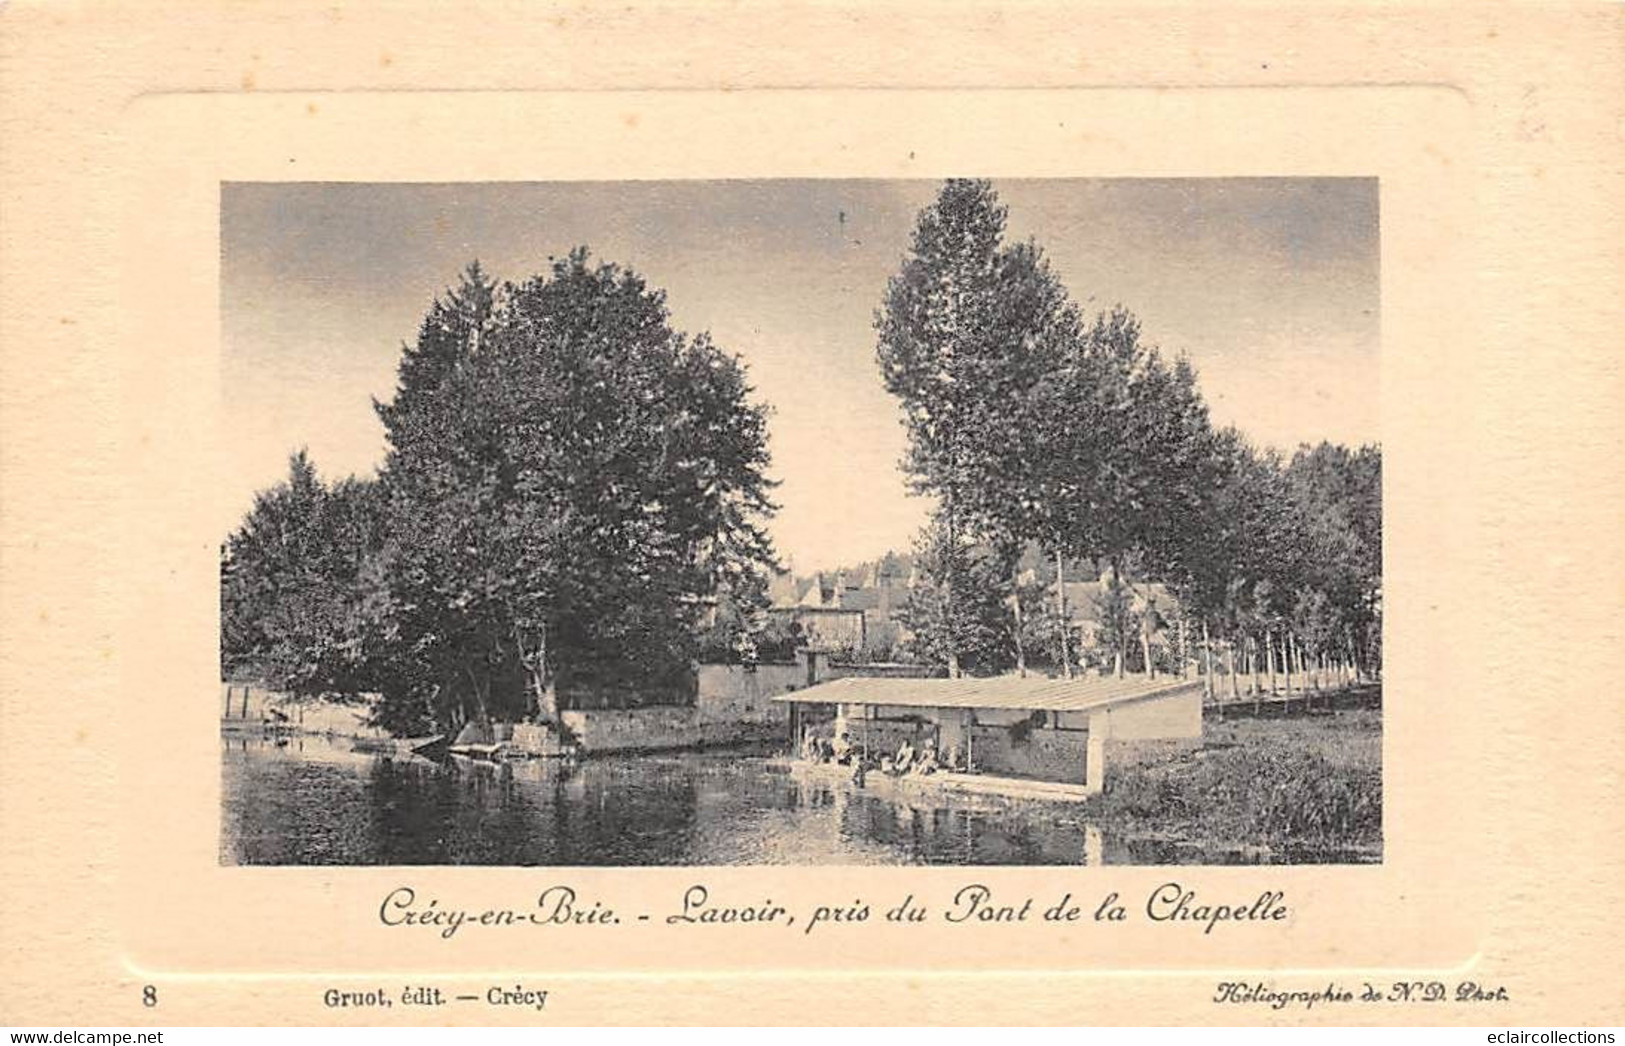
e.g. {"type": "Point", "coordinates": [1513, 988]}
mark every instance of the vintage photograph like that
{"type": "Point", "coordinates": [826, 522]}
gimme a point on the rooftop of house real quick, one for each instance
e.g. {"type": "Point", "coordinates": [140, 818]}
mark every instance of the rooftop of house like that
{"type": "Point", "coordinates": [839, 589]}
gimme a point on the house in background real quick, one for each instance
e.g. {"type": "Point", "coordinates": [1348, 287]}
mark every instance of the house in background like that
{"type": "Point", "coordinates": [823, 628]}
{"type": "Point", "coordinates": [812, 607]}
{"type": "Point", "coordinates": [862, 608]}
{"type": "Point", "coordinates": [856, 608]}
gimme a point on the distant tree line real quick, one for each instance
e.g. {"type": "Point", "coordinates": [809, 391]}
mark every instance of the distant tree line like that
{"type": "Point", "coordinates": [1036, 427]}
{"type": "Point", "coordinates": [570, 488]}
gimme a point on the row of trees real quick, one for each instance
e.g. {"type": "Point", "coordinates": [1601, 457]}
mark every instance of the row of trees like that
{"type": "Point", "coordinates": [1036, 427]}
{"type": "Point", "coordinates": [569, 484]}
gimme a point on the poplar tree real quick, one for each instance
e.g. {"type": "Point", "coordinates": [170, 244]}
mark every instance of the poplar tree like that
{"type": "Point", "coordinates": [965, 329]}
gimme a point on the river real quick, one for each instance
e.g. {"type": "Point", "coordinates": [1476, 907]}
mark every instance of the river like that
{"type": "Point", "coordinates": [312, 800]}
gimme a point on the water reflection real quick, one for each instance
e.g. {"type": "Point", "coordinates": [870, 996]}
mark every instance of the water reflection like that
{"type": "Point", "coordinates": [314, 801]}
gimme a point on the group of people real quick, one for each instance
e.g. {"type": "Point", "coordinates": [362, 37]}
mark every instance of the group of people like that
{"type": "Point", "coordinates": [839, 750]}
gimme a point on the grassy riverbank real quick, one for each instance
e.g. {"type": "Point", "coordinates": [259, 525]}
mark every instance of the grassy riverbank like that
{"type": "Point", "coordinates": [1300, 789]}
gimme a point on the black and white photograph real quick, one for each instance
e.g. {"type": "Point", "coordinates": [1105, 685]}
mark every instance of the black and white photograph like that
{"type": "Point", "coordinates": [811, 515]}
{"type": "Point", "coordinates": [801, 522]}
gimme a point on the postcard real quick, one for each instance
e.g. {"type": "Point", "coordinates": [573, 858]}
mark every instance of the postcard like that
{"type": "Point", "coordinates": [1017, 514]}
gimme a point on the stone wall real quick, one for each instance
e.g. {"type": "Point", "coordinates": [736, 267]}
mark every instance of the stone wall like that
{"type": "Point", "coordinates": [536, 739]}
{"type": "Point", "coordinates": [1049, 755]}
{"type": "Point", "coordinates": [733, 705]}
{"type": "Point", "coordinates": [599, 731]}
{"type": "Point", "coordinates": [734, 691]}
{"type": "Point", "coordinates": [826, 627]}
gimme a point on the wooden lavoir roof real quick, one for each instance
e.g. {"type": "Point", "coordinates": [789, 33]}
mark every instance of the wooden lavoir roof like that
{"type": "Point", "coordinates": [1032, 692]}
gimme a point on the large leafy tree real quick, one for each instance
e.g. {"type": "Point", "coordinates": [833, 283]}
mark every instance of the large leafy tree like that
{"type": "Point", "coordinates": [1132, 460]}
{"type": "Point", "coordinates": [966, 328]}
{"type": "Point", "coordinates": [1024, 421]}
{"type": "Point", "coordinates": [1282, 558]}
{"type": "Point", "coordinates": [569, 479]}
{"type": "Point", "coordinates": [296, 578]}
{"type": "Point", "coordinates": [1030, 426]}
{"type": "Point", "coordinates": [1337, 496]}
{"type": "Point", "coordinates": [1246, 553]}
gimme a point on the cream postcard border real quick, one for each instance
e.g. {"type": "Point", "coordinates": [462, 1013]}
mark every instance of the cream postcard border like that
{"type": "Point", "coordinates": [1500, 388]}
{"type": "Point", "coordinates": [192, 916]}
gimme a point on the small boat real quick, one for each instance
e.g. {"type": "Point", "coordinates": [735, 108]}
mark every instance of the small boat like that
{"type": "Point", "coordinates": [428, 747]}
{"type": "Point", "coordinates": [480, 751]}
{"type": "Point", "coordinates": [434, 747]}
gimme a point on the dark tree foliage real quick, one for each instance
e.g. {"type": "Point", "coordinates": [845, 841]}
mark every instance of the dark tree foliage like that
{"type": "Point", "coordinates": [738, 626]}
{"type": "Point", "coordinates": [1129, 456]}
{"type": "Point", "coordinates": [1338, 497]}
{"type": "Point", "coordinates": [1290, 550]}
{"type": "Point", "coordinates": [569, 481]}
{"type": "Point", "coordinates": [966, 327]}
{"type": "Point", "coordinates": [1086, 441]}
{"type": "Point", "coordinates": [295, 582]}
{"type": "Point", "coordinates": [571, 486]}
{"type": "Point", "coordinates": [1023, 420]}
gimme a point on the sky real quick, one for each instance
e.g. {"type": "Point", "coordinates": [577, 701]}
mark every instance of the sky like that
{"type": "Point", "coordinates": [1269, 286]}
